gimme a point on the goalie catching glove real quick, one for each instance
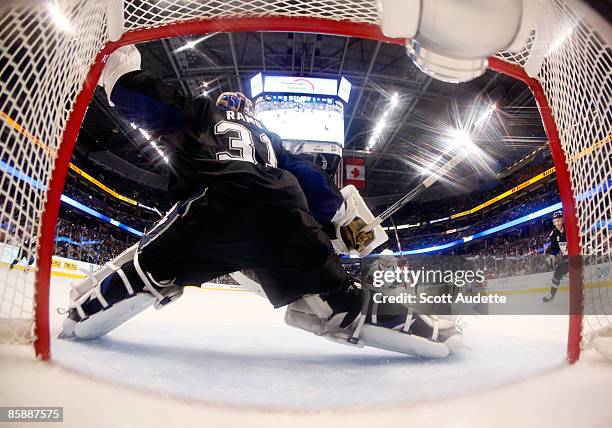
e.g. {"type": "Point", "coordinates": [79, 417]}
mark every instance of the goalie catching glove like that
{"type": "Point", "coordinates": [349, 222]}
{"type": "Point", "coordinates": [123, 61]}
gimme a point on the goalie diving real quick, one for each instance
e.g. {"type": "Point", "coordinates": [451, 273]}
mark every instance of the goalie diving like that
{"type": "Point", "coordinates": [243, 202]}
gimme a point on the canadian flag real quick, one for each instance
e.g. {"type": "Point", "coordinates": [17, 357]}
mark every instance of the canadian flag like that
{"type": "Point", "coordinates": [355, 172]}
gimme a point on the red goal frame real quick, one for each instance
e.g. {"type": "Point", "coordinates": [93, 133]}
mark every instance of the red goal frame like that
{"type": "Point", "coordinates": [42, 342]}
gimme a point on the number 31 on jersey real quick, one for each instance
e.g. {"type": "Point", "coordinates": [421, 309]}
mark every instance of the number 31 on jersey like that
{"type": "Point", "coordinates": [243, 143]}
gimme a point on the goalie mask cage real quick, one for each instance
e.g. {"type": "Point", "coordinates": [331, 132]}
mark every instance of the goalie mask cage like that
{"type": "Point", "coordinates": [48, 76]}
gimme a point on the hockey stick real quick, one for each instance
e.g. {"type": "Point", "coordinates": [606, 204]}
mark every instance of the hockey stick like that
{"type": "Point", "coordinates": [248, 283]}
{"type": "Point", "coordinates": [424, 185]}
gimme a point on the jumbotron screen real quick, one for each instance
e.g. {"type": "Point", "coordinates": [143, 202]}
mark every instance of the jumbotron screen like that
{"type": "Point", "coordinates": [302, 117]}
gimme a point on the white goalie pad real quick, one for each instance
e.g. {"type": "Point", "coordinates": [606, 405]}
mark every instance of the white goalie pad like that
{"type": "Point", "coordinates": [94, 279]}
{"type": "Point", "coordinates": [392, 340]}
{"type": "Point", "coordinates": [90, 286]}
{"type": "Point", "coordinates": [105, 321]}
{"type": "Point", "coordinates": [113, 315]}
{"type": "Point", "coordinates": [354, 206]}
{"type": "Point", "coordinates": [310, 315]}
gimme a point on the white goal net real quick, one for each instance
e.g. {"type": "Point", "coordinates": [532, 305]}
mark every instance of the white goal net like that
{"type": "Point", "coordinates": [48, 71]}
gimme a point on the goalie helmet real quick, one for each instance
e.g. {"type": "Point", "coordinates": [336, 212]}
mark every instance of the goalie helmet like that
{"type": "Point", "coordinates": [235, 101]}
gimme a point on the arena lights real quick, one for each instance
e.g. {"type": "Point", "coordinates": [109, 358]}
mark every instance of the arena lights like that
{"type": "Point", "coordinates": [59, 18]}
{"type": "Point", "coordinates": [524, 158]}
{"type": "Point", "coordinates": [191, 44]}
{"type": "Point", "coordinates": [205, 88]}
{"type": "Point", "coordinates": [426, 170]}
{"type": "Point", "coordinates": [159, 152]}
{"type": "Point", "coordinates": [145, 133]}
{"type": "Point", "coordinates": [152, 143]}
{"type": "Point", "coordinates": [395, 100]}
{"type": "Point", "coordinates": [485, 115]}
{"type": "Point", "coordinates": [487, 232]}
{"type": "Point", "coordinates": [460, 140]}
{"type": "Point", "coordinates": [380, 126]}
{"type": "Point", "coordinates": [457, 139]}
{"type": "Point", "coordinates": [84, 208]}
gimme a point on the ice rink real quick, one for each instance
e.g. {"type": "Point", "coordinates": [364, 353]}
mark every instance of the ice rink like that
{"type": "Point", "coordinates": [226, 356]}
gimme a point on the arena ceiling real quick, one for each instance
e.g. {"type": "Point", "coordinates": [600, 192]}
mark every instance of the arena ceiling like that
{"type": "Point", "coordinates": [411, 136]}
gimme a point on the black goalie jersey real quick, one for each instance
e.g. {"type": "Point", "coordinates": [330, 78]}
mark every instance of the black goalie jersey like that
{"type": "Point", "coordinates": [226, 151]}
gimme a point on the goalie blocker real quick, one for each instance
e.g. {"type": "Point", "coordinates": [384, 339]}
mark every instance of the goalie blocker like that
{"type": "Point", "coordinates": [350, 221]}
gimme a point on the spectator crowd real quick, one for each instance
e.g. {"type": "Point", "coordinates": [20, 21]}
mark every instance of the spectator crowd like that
{"type": "Point", "coordinates": [514, 251]}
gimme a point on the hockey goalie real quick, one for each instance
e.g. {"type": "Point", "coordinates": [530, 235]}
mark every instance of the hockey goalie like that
{"type": "Point", "coordinates": [243, 202]}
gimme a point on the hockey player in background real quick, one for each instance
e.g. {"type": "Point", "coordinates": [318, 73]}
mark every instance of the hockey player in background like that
{"type": "Point", "coordinates": [558, 249]}
{"type": "Point", "coordinates": [242, 202]}
{"type": "Point", "coordinates": [23, 253]}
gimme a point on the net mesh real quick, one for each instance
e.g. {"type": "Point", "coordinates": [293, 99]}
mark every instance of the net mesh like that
{"type": "Point", "coordinates": [576, 77]}
{"type": "Point", "coordinates": [42, 69]}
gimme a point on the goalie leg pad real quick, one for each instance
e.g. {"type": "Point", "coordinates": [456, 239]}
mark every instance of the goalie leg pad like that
{"type": "Point", "coordinates": [415, 334]}
{"type": "Point", "coordinates": [94, 279]}
{"type": "Point", "coordinates": [393, 340]}
{"type": "Point", "coordinates": [102, 322]}
{"type": "Point", "coordinates": [120, 289]}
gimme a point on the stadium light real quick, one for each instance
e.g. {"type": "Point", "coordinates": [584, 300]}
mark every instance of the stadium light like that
{"type": "Point", "coordinates": [460, 140]}
{"type": "Point", "coordinates": [191, 44]}
{"type": "Point", "coordinates": [59, 18]}
{"type": "Point", "coordinates": [427, 170]}
{"type": "Point", "coordinates": [145, 133]}
{"type": "Point", "coordinates": [378, 129]}
{"type": "Point", "coordinates": [153, 144]}
{"type": "Point", "coordinates": [485, 115]}
{"type": "Point", "coordinates": [394, 100]}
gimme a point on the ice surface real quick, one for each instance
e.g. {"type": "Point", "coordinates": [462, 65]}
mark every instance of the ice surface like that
{"type": "Point", "coordinates": [232, 347]}
{"type": "Point", "coordinates": [225, 359]}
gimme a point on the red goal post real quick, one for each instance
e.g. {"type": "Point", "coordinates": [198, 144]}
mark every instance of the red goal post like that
{"type": "Point", "coordinates": [49, 77]}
